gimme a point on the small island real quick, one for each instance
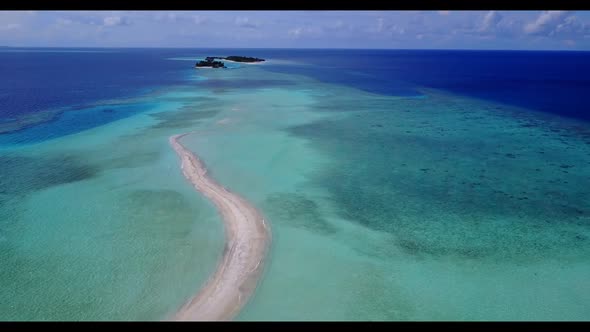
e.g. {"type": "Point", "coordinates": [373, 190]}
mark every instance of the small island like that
{"type": "Point", "coordinates": [247, 59]}
{"type": "Point", "coordinates": [210, 62]}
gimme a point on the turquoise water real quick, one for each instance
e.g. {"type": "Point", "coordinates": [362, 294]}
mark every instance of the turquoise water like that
{"type": "Point", "coordinates": [430, 207]}
{"type": "Point", "coordinates": [101, 225]}
{"type": "Point", "coordinates": [435, 208]}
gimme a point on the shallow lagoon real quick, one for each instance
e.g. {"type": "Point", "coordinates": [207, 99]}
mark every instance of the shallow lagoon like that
{"type": "Point", "coordinates": [438, 207]}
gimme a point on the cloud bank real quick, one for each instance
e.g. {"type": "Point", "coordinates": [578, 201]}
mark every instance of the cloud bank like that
{"type": "Point", "coordinates": [299, 29]}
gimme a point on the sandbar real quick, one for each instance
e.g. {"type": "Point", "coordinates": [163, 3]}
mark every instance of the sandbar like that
{"type": "Point", "coordinates": [247, 237]}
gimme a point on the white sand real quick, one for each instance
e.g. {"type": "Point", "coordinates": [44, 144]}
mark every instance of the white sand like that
{"type": "Point", "coordinates": [247, 241]}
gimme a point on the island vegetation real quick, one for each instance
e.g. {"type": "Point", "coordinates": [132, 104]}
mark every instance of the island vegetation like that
{"type": "Point", "coordinates": [210, 61]}
{"type": "Point", "coordinates": [243, 59]}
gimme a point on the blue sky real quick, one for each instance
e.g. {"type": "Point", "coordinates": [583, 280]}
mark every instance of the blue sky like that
{"type": "Point", "coordinates": [557, 30]}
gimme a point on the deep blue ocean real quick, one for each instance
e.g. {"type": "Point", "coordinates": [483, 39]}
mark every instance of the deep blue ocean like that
{"type": "Point", "coordinates": [36, 80]}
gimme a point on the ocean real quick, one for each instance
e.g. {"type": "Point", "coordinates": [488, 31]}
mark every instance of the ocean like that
{"type": "Point", "coordinates": [399, 184]}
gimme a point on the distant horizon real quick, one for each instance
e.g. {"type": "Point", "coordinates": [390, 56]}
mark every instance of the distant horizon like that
{"type": "Point", "coordinates": [294, 48]}
{"type": "Point", "coordinates": [412, 30]}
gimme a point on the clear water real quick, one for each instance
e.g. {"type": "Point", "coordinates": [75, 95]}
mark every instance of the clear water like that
{"type": "Point", "coordinates": [392, 193]}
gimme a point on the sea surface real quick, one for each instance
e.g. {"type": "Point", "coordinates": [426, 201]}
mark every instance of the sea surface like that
{"type": "Point", "coordinates": [399, 184]}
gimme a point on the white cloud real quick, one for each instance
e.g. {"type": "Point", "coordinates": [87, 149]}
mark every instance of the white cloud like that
{"type": "Point", "coordinates": [546, 22]}
{"type": "Point", "coordinates": [245, 22]}
{"type": "Point", "coordinates": [296, 32]}
{"type": "Point", "coordinates": [111, 21]}
{"type": "Point", "coordinates": [490, 21]}
{"type": "Point", "coordinates": [388, 28]}
{"type": "Point", "coordinates": [560, 24]}
{"type": "Point", "coordinates": [198, 20]}
{"type": "Point", "coordinates": [371, 28]}
{"type": "Point", "coordinates": [302, 31]}
{"type": "Point", "coordinates": [397, 30]}
{"type": "Point", "coordinates": [179, 18]}
{"type": "Point", "coordinates": [491, 25]}
{"type": "Point", "coordinates": [571, 27]}
{"type": "Point", "coordinates": [380, 24]}
{"type": "Point", "coordinates": [339, 27]}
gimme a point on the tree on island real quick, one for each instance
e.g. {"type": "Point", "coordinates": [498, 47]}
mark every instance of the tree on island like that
{"type": "Point", "coordinates": [210, 61]}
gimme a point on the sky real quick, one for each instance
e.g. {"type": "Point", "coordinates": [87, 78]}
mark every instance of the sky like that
{"type": "Point", "coordinates": [519, 30]}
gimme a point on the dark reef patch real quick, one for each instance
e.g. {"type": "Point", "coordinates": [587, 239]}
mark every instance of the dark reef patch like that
{"type": "Point", "coordinates": [150, 212]}
{"type": "Point", "coordinates": [138, 159]}
{"type": "Point", "coordinates": [20, 175]}
{"type": "Point", "coordinates": [298, 211]}
{"type": "Point", "coordinates": [161, 199]}
{"type": "Point", "coordinates": [28, 120]}
{"type": "Point", "coordinates": [428, 191]}
{"type": "Point", "coordinates": [375, 104]}
{"type": "Point", "coordinates": [23, 175]}
{"type": "Point", "coordinates": [186, 115]}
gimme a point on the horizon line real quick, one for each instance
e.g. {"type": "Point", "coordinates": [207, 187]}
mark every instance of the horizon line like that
{"type": "Point", "coordinates": [292, 48]}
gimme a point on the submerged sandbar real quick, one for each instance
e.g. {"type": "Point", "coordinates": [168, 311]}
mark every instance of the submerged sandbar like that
{"type": "Point", "coordinates": [247, 241]}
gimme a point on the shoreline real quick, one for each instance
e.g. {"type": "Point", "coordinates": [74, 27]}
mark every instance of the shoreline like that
{"type": "Point", "coordinates": [247, 241]}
